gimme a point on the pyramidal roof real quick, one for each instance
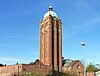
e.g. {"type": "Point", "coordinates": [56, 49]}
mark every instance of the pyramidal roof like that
{"type": "Point", "coordinates": [50, 12]}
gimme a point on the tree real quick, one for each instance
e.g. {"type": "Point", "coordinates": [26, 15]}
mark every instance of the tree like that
{"type": "Point", "coordinates": [91, 68]}
{"type": "Point", "coordinates": [1, 65]}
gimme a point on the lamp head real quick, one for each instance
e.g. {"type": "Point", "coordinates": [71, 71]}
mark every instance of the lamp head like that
{"type": "Point", "coordinates": [82, 43]}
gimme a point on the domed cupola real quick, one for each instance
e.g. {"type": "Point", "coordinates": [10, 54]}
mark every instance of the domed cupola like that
{"type": "Point", "coordinates": [50, 12]}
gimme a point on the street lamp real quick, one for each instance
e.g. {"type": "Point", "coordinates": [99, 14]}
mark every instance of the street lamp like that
{"type": "Point", "coordinates": [83, 45]}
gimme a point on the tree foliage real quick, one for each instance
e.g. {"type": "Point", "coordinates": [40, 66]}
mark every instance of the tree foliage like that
{"type": "Point", "coordinates": [91, 68]}
{"type": "Point", "coordinates": [1, 65]}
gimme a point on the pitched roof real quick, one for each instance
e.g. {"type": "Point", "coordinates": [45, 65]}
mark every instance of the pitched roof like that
{"type": "Point", "coordinates": [69, 63]}
{"type": "Point", "coordinates": [31, 63]}
{"type": "Point", "coordinates": [73, 62]}
{"type": "Point", "coordinates": [36, 61]}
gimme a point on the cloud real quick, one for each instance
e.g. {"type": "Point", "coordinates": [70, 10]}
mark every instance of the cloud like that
{"type": "Point", "coordinates": [86, 19]}
{"type": "Point", "coordinates": [86, 5]}
{"type": "Point", "coordinates": [90, 23]}
{"type": "Point", "coordinates": [69, 35]}
{"type": "Point", "coordinates": [2, 59]}
{"type": "Point", "coordinates": [91, 15]}
{"type": "Point", "coordinates": [86, 26]}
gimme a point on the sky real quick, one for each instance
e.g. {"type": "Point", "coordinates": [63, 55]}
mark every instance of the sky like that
{"type": "Point", "coordinates": [20, 23]}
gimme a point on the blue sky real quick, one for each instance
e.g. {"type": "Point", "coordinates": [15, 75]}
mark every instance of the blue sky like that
{"type": "Point", "coordinates": [19, 29]}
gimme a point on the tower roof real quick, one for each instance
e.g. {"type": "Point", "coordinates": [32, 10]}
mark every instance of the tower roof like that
{"type": "Point", "coordinates": [50, 12]}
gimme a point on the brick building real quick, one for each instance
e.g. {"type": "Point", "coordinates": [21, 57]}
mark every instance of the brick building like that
{"type": "Point", "coordinates": [73, 66]}
{"type": "Point", "coordinates": [51, 40]}
{"type": "Point", "coordinates": [22, 69]}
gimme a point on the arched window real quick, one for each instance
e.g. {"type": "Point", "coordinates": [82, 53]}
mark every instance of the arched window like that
{"type": "Point", "coordinates": [78, 67]}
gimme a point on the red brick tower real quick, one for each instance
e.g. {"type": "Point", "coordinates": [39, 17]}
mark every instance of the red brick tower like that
{"type": "Point", "coordinates": [51, 40]}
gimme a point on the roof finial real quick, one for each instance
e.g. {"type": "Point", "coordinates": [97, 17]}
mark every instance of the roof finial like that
{"type": "Point", "coordinates": [50, 8]}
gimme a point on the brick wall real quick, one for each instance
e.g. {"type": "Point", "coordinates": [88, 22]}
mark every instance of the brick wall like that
{"type": "Point", "coordinates": [10, 70]}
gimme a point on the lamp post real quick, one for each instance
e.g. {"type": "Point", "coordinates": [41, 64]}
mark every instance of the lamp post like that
{"type": "Point", "coordinates": [83, 45]}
